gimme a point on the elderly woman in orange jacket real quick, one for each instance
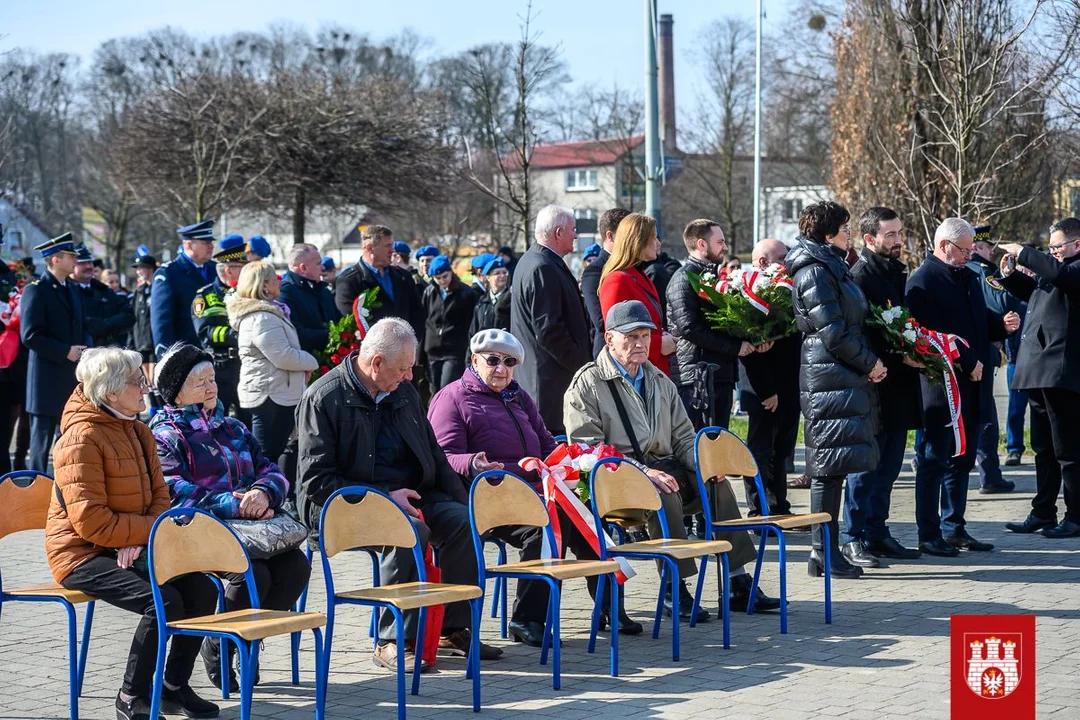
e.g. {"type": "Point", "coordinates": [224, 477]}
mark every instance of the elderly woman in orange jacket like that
{"type": "Point", "coordinates": [624, 278]}
{"type": "Point", "coordinates": [110, 493]}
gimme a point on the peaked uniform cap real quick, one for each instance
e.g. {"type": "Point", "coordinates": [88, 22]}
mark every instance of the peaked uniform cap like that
{"type": "Point", "coordinates": [231, 248]}
{"type": "Point", "coordinates": [199, 231]}
{"type": "Point", "coordinates": [62, 244]}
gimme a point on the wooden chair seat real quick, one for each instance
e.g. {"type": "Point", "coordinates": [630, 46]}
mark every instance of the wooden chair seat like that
{"type": "Point", "coordinates": [253, 624]}
{"type": "Point", "coordinates": [784, 522]}
{"type": "Point", "coordinates": [558, 569]}
{"type": "Point", "coordinates": [410, 596]}
{"type": "Point", "coordinates": [674, 548]}
{"type": "Point", "coordinates": [51, 590]}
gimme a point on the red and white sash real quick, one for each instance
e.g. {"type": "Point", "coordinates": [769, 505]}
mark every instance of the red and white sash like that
{"type": "Point", "coordinates": [946, 345]}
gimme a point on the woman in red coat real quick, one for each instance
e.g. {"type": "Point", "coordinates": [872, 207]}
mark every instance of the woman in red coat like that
{"type": "Point", "coordinates": [623, 279]}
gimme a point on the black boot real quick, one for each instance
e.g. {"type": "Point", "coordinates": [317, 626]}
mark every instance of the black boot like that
{"type": "Point", "coordinates": [826, 493]}
{"type": "Point", "coordinates": [627, 625]}
{"type": "Point", "coordinates": [739, 599]}
{"type": "Point", "coordinates": [211, 656]}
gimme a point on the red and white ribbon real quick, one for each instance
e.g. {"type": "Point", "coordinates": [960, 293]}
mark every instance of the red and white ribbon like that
{"type": "Point", "coordinates": [750, 278]}
{"type": "Point", "coordinates": [946, 345]}
{"type": "Point", "coordinates": [557, 494]}
{"type": "Point", "coordinates": [362, 325]}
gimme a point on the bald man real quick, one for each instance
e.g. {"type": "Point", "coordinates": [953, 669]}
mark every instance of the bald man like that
{"type": "Point", "coordinates": [769, 393]}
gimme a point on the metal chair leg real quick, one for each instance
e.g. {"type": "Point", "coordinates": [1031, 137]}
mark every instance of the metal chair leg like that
{"type": "Point", "coordinates": [697, 592]}
{"type": "Point", "coordinates": [725, 598]}
{"type": "Point", "coordinates": [246, 678]}
{"type": "Point", "coordinates": [757, 570]}
{"type": "Point", "coordinates": [545, 645]}
{"type": "Point", "coordinates": [88, 621]}
{"type": "Point", "coordinates": [320, 677]}
{"type": "Point", "coordinates": [594, 626]}
{"type": "Point", "coordinates": [399, 627]}
{"type": "Point", "coordinates": [614, 628]}
{"type": "Point", "coordinates": [676, 585]}
{"type": "Point", "coordinates": [782, 548]}
{"type": "Point", "coordinates": [660, 602]}
{"type": "Point", "coordinates": [477, 608]}
{"type": "Point", "coordinates": [828, 573]}
{"type": "Point", "coordinates": [418, 651]}
{"type": "Point", "coordinates": [159, 675]}
{"type": "Point", "coordinates": [73, 661]}
{"type": "Point", "coordinates": [556, 640]}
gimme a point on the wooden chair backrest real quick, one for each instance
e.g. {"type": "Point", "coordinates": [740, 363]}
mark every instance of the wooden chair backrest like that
{"type": "Point", "coordinates": [510, 502]}
{"type": "Point", "coordinates": [622, 488]}
{"type": "Point", "coordinates": [203, 545]}
{"type": "Point", "coordinates": [724, 455]}
{"type": "Point", "coordinates": [25, 507]}
{"type": "Point", "coordinates": [375, 521]}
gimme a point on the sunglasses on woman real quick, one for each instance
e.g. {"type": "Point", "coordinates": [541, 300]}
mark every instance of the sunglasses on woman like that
{"type": "Point", "coordinates": [494, 360]}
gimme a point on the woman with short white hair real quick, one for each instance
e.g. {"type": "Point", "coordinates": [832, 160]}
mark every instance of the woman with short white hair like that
{"type": "Point", "coordinates": [110, 490]}
{"type": "Point", "coordinates": [273, 368]}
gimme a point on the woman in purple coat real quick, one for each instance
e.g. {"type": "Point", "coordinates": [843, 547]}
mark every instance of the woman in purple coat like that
{"type": "Point", "coordinates": [485, 421]}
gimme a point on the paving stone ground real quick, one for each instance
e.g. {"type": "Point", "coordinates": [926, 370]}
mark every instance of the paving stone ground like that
{"type": "Point", "coordinates": [885, 655]}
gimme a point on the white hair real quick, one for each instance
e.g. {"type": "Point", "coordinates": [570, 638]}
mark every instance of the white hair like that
{"type": "Point", "coordinates": [549, 218]}
{"type": "Point", "coordinates": [299, 252]}
{"type": "Point", "coordinates": [952, 229]}
{"type": "Point", "coordinates": [388, 338]}
{"type": "Point", "coordinates": [105, 370]}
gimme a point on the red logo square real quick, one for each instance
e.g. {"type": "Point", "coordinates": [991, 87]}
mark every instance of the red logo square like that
{"type": "Point", "coordinates": [993, 666]}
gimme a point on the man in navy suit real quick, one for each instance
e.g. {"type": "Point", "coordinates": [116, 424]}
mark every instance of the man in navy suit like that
{"type": "Point", "coordinates": [53, 328]}
{"type": "Point", "coordinates": [175, 286]}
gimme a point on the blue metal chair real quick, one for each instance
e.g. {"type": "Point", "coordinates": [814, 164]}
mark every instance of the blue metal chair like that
{"type": "Point", "coordinates": [498, 597]}
{"type": "Point", "coordinates": [616, 486]}
{"type": "Point", "coordinates": [187, 540]}
{"type": "Point", "coordinates": [719, 453]}
{"type": "Point", "coordinates": [376, 521]}
{"type": "Point", "coordinates": [25, 507]}
{"type": "Point", "coordinates": [498, 499]}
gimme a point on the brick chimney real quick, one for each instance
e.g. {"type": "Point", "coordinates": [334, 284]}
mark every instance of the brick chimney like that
{"type": "Point", "coordinates": [666, 62]}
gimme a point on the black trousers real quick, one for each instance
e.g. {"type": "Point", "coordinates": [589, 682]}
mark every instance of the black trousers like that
{"type": "Point", "coordinates": [443, 371]}
{"type": "Point", "coordinates": [720, 413]}
{"type": "Point", "coordinates": [42, 436]}
{"type": "Point", "coordinates": [272, 424]}
{"type": "Point", "coordinates": [187, 596]}
{"type": "Point", "coordinates": [278, 582]}
{"type": "Point", "coordinates": [770, 437]}
{"type": "Point", "coordinates": [1055, 416]}
{"type": "Point", "coordinates": [9, 415]}
{"type": "Point", "coordinates": [531, 602]}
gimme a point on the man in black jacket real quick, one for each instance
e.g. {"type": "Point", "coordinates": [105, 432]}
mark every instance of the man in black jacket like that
{"type": "Point", "coordinates": [660, 271]}
{"type": "Point", "coordinates": [108, 315]}
{"type": "Point", "coordinates": [945, 296]}
{"type": "Point", "coordinates": [363, 424]}
{"type": "Point", "coordinates": [1048, 367]}
{"type": "Point", "coordinates": [769, 393]}
{"type": "Point", "coordinates": [311, 306]}
{"type": "Point", "coordinates": [699, 343]}
{"type": "Point", "coordinates": [590, 276]}
{"type": "Point", "coordinates": [882, 277]}
{"type": "Point", "coordinates": [547, 316]}
{"type": "Point", "coordinates": [398, 296]}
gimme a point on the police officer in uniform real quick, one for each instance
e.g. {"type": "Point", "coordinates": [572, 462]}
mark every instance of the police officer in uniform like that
{"type": "Point", "coordinates": [175, 285]}
{"type": "Point", "coordinates": [54, 330]}
{"type": "Point", "coordinates": [108, 316]}
{"type": "Point", "coordinates": [211, 320]}
{"type": "Point", "coordinates": [998, 301]}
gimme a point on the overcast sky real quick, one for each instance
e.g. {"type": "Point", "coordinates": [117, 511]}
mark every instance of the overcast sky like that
{"type": "Point", "coordinates": [602, 40]}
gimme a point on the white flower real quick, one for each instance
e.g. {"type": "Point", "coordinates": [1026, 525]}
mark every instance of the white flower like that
{"type": "Point", "coordinates": [586, 463]}
{"type": "Point", "coordinates": [910, 335]}
{"type": "Point", "coordinates": [891, 315]}
{"type": "Point", "coordinates": [708, 278]}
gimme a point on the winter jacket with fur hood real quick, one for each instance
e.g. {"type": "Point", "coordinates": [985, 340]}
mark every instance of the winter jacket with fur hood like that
{"type": "Point", "coordinates": [272, 365]}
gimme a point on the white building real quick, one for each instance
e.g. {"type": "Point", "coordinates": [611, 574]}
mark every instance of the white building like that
{"type": "Point", "coordinates": [23, 230]}
{"type": "Point", "coordinates": [780, 208]}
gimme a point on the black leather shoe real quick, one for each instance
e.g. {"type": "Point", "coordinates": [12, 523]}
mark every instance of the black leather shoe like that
{"type": "Point", "coordinates": [857, 555]}
{"type": "Point", "coordinates": [627, 625]}
{"type": "Point", "coordinates": [739, 598]}
{"type": "Point", "coordinates": [938, 547]}
{"type": "Point", "coordinates": [1064, 529]}
{"type": "Point", "coordinates": [1005, 486]}
{"type": "Point", "coordinates": [137, 709]}
{"type": "Point", "coordinates": [1012, 459]}
{"type": "Point", "coordinates": [184, 701]}
{"type": "Point", "coordinates": [839, 566]}
{"type": "Point", "coordinates": [890, 548]}
{"type": "Point", "coordinates": [686, 607]}
{"type": "Point", "coordinates": [966, 542]}
{"type": "Point", "coordinates": [1031, 524]}
{"type": "Point", "coordinates": [209, 652]}
{"type": "Point", "coordinates": [530, 633]}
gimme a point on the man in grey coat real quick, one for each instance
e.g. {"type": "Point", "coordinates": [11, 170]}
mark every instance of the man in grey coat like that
{"type": "Point", "coordinates": [548, 317]}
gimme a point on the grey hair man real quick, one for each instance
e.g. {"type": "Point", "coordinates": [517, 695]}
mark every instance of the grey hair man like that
{"type": "Point", "coordinates": [945, 295]}
{"type": "Point", "coordinates": [311, 304]}
{"type": "Point", "coordinates": [548, 316]}
{"type": "Point", "coordinates": [363, 423]}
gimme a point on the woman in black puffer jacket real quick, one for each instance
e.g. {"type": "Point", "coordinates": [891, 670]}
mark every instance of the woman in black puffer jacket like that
{"type": "Point", "coordinates": [838, 367]}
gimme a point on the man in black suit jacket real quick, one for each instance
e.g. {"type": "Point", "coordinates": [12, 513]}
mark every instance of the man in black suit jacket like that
{"type": "Point", "coordinates": [944, 295]}
{"type": "Point", "coordinates": [398, 296]}
{"type": "Point", "coordinates": [311, 305]}
{"type": "Point", "coordinates": [547, 316]}
{"type": "Point", "coordinates": [52, 327]}
{"type": "Point", "coordinates": [590, 276]}
{"type": "Point", "coordinates": [1048, 367]}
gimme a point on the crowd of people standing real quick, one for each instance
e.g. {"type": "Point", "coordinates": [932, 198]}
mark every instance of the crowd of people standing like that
{"type": "Point", "coordinates": [452, 380]}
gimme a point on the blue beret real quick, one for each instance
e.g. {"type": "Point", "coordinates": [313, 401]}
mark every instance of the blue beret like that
{"type": "Point", "coordinates": [328, 263]}
{"type": "Point", "coordinates": [427, 251]}
{"type": "Point", "coordinates": [199, 231]}
{"type": "Point", "coordinates": [592, 251]}
{"type": "Point", "coordinates": [439, 265]}
{"type": "Point", "coordinates": [258, 245]}
{"type": "Point", "coordinates": [479, 261]}
{"type": "Point", "coordinates": [402, 248]}
{"type": "Point", "coordinates": [494, 264]}
{"type": "Point", "coordinates": [231, 248]}
{"type": "Point", "coordinates": [142, 251]}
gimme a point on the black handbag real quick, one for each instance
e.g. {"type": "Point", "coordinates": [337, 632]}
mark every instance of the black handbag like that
{"type": "Point", "coordinates": [669, 464]}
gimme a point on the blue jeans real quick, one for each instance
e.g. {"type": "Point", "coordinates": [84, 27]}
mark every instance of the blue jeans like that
{"type": "Point", "coordinates": [1014, 423]}
{"type": "Point", "coordinates": [942, 479]}
{"type": "Point", "coordinates": [989, 432]}
{"type": "Point", "coordinates": [868, 494]}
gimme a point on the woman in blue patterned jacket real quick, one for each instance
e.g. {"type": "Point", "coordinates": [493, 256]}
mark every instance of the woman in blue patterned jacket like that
{"type": "Point", "coordinates": [214, 463]}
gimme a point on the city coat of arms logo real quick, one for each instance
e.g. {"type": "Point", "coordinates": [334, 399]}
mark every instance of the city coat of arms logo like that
{"type": "Point", "coordinates": [993, 666]}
